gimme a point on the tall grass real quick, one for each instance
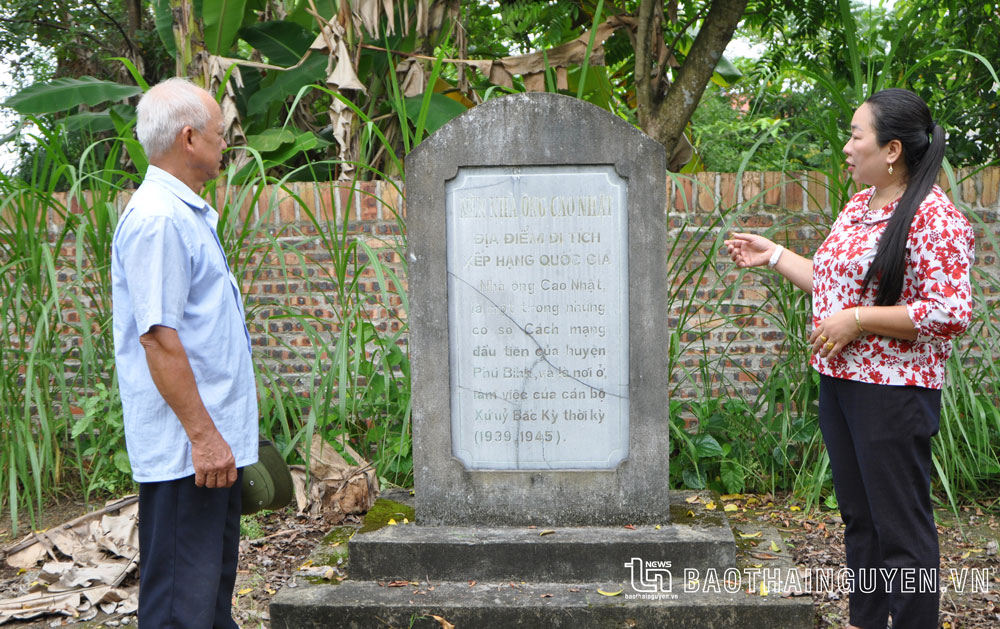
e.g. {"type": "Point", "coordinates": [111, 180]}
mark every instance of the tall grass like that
{"type": "Point", "coordinates": [966, 453]}
{"type": "Point", "coordinates": [762, 434]}
{"type": "Point", "coordinates": [31, 375]}
{"type": "Point", "coordinates": [59, 407]}
{"type": "Point", "coordinates": [58, 390]}
{"type": "Point", "coordinates": [751, 428]}
{"type": "Point", "coordinates": [744, 428]}
{"type": "Point", "coordinates": [355, 367]}
{"type": "Point", "coordinates": [754, 430]}
{"type": "Point", "coordinates": [57, 401]}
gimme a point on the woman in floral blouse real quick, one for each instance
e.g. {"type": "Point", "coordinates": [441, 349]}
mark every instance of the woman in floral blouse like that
{"type": "Point", "coordinates": [890, 289]}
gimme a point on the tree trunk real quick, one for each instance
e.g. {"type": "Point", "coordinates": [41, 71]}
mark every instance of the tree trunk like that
{"type": "Point", "coordinates": [664, 116]}
{"type": "Point", "coordinates": [134, 10]}
{"type": "Point", "coordinates": [134, 13]}
{"type": "Point", "coordinates": [190, 39]}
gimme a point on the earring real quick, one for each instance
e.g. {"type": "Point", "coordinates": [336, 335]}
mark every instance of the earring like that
{"type": "Point", "coordinates": [890, 169]}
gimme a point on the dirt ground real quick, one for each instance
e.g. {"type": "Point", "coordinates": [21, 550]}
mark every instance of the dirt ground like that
{"type": "Point", "coordinates": [277, 544]}
{"type": "Point", "coordinates": [968, 546]}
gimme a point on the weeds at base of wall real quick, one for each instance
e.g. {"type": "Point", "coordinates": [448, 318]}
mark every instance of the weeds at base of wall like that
{"type": "Point", "coordinates": [744, 430]}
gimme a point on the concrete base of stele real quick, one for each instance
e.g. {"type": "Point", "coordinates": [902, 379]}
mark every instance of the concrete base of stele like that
{"type": "Point", "coordinates": [689, 573]}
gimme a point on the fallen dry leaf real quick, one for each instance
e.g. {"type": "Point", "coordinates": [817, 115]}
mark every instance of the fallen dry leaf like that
{"type": "Point", "coordinates": [38, 604]}
{"type": "Point", "coordinates": [101, 548]}
{"type": "Point", "coordinates": [793, 593]}
{"type": "Point", "coordinates": [27, 557]}
{"type": "Point", "coordinates": [765, 556]}
{"type": "Point", "coordinates": [336, 488]}
{"type": "Point", "coordinates": [444, 623]}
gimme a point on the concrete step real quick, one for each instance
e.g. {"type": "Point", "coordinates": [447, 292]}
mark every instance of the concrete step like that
{"type": "Point", "coordinates": [489, 605]}
{"type": "Point", "coordinates": [557, 554]}
{"type": "Point", "coordinates": [683, 574]}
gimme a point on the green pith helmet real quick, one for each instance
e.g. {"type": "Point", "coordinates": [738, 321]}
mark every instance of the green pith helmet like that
{"type": "Point", "coordinates": [267, 484]}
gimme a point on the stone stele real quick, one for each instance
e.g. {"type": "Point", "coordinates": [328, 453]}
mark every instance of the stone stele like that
{"type": "Point", "coordinates": [538, 329]}
{"type": "Point", "coordinates": [538, 352]}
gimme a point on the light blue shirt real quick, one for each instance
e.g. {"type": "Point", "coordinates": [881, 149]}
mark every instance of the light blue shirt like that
{"type": "Point", "coordinates": [168, 268]}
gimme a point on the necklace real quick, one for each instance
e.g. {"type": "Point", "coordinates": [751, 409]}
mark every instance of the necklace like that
{"type": "Point", "coordinates": [896, 191]}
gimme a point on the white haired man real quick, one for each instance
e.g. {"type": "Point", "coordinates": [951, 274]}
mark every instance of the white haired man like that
{"type": "Point", "coordinates": [184, 366]}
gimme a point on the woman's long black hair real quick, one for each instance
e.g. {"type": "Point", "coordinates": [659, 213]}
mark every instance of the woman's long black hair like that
{"type": "Point", "coordinates": [902, 115]}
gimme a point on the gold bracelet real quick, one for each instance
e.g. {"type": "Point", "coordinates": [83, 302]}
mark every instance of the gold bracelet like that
{"type": "Point", "coordinates": [857, 319]}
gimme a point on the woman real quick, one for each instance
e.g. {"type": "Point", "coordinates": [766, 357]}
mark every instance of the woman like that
{"type": "Point", "coordinates": [890, 287]}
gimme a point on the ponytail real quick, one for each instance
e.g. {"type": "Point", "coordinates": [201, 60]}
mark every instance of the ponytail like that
{"type": "Point", "coordinates": [902, 115]}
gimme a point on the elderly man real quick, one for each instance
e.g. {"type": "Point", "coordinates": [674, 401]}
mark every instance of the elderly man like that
{"type": "Point", "coordinates": [184, 366]}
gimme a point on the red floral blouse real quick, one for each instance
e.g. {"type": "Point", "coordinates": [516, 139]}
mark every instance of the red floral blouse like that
{"type": "Point", "coordinates": [936, 290]}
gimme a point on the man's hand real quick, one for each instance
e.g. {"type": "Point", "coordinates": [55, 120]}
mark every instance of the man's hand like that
{"type": "Point", "coordinates": [214, 465]}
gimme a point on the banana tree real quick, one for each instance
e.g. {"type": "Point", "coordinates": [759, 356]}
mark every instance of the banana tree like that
{"type": "Point", "coordinates": [315, 78]}
{"type": "Point", "coordinates": [363, 81]}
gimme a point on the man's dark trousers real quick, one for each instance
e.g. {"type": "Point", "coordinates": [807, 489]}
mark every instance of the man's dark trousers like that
{"type": "Point", "coordinates": [189, 541]}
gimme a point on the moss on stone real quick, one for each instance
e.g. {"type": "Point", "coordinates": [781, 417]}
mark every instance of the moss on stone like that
{"type": "Point", "coordinates": [696, 515]}
{"type": "Point", "coordinates": [341, 534]}
{"type": "Point", "coordinates": [384, 510]}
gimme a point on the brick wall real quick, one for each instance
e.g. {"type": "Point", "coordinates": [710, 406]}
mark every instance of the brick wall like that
{"type": "Point", "coordinates": [293, 260]}
{"type": "Point", "coordinates": [793, 209]}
